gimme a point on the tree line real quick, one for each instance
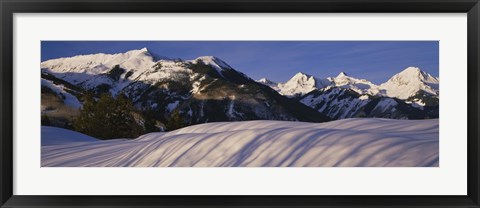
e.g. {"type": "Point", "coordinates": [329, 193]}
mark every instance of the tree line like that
{"type": "Point", "coordinates": [109, 117]}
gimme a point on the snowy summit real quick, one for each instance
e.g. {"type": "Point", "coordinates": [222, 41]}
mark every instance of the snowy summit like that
{"type": "Point", "coordinates": [408, 82]}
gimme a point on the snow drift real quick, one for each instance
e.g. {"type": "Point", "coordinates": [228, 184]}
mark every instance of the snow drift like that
{"type": "Point", "coordinates": [350, 142]}
{"type": "Point", "coordinates": [55, 136]}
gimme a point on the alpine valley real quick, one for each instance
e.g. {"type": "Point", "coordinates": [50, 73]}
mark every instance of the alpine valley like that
{"type": "Point", "coordinates": [207, 89]}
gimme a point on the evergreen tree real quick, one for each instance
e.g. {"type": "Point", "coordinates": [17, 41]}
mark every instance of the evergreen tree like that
{"type": "Point", "coordinates": [175, 121]}
{"type": "Point", "coordinates": [149, 120]}
{"type": "Point", "coordinates": [107, 118]}
{"type": "Point", "coordinates": [45, 120]}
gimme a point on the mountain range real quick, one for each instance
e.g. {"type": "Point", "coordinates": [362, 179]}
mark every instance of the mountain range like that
{"type": "Point", "coordinates": [207, 89]}
{"type": "Point", "coordinates": [410, 94]}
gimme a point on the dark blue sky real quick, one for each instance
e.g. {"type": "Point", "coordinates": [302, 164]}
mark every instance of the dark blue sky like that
{"type": "Point", "coordinates": [376, 61]}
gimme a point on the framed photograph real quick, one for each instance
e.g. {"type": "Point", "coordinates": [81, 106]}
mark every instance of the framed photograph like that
{"type": "Point", "coordinates": [239, 104]}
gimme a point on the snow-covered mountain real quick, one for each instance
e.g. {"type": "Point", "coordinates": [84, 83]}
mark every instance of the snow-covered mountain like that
{"type": "Point", "coordinates": [403, 85]}
{"type": "Point", "coordinates": [79, 69]}
{"type": "Point", "coordinates": [205, 89]}
{"type": "Point", "coordinates": [300, 84]}
{"type": "Point", "coordinates": [369, 142]}
{"type": "Point", "coordinates": [269, 83]}
{"type": "Point", "coordinates": [61, 91]}
{"type": "Point", "coordinates": [360, 86]}
{"type": "Point", "coordinates": [336, 102]}
{"type": "Point", "coordinates": [410, 94]}
{"type": "Point", "coordinates": [409, 82]}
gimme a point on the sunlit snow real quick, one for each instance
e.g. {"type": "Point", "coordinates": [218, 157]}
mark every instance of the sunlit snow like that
{"type": "Point", "coordinates": [69, 99]}
{"type": "Point", "coordinates": [368, 142]}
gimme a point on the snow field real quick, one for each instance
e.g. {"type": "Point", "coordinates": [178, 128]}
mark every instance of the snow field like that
{"type": "Point", "coordinates": [344, 143]}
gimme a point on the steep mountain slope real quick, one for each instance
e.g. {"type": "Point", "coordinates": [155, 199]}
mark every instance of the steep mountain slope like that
{"type": "Point", "coordinates": [336, 102]}
{"type": "Point", "coordinates": [61, 91]}
{"type": "Point", "coordinates": [59, 102]}
{"type": "Point", "coordinates": [202, 90]}
{"type": "Point", "coordinates": [340, 103]}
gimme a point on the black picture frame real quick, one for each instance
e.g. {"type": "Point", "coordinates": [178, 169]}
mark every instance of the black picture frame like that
{"type": "Point", "coordinates": [9, 7]}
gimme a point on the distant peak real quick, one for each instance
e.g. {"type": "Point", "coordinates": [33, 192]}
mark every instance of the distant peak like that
{"type": "Point", "coordinates": [301, 74]}
{"type": "Point", "coordinates": [266, 81]}
{"type": "Point", "coordinates": [412, 70]}
{"type": "Point", "coordinates": [413, 75]}
{"type": "Point", "coordinates": [142, 50]}
{"type": "Point", "coordinates": [213, 61]}
{"type": "Point", "coordinates": [342, 74]}
{"type": "Point", "coordinates": [301, 77]}
{"type": "Point", "coordinates": [147, 52]}
{"type": "Point", "coordinates": [207, 58]}
{"type": "Point", "coordinates": [139, 52]}
{"type": "Point", "coordinates": [210, 59]}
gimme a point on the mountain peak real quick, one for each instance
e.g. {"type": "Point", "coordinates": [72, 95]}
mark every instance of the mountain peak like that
{"type": "Point", "coordinates": [342, 74]}
{"type": "Point", "coordinates": [213, 61]}
{"type": "Point", "coordinates": [138, 51]}
{"type": "Point", "coordinates": [264, 80]}
{"type": "Point", "coordinates": [411, 71]}
{"type": "Point", "coordinates": [301, 75]}
{"type": "Point", "coordinates": [299, 84]}
{"type": "Point", "coordinates": [145, 52]}
{"type": "Point", "coordinates": [218, 64]}
{"type": "Point", "coordinates": [141, 50]}
{"type": "Point", "coordinates": [409, 81]}
{"type": "Point", "coordinates": [206, 58]}
{"type": "Point", "coordinates": [269, 83]}
{"type": "Point", "coordinates": [414, 73]}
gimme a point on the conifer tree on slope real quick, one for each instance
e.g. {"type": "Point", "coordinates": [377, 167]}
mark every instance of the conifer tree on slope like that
{"type": "Point", "coordinates": [107, 118]}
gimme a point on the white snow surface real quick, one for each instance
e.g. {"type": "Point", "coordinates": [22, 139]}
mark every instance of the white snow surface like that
{"type": "Point", "coordinates": [58, 136]}
{"type": "Point", "coordinates": [370, 142]}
